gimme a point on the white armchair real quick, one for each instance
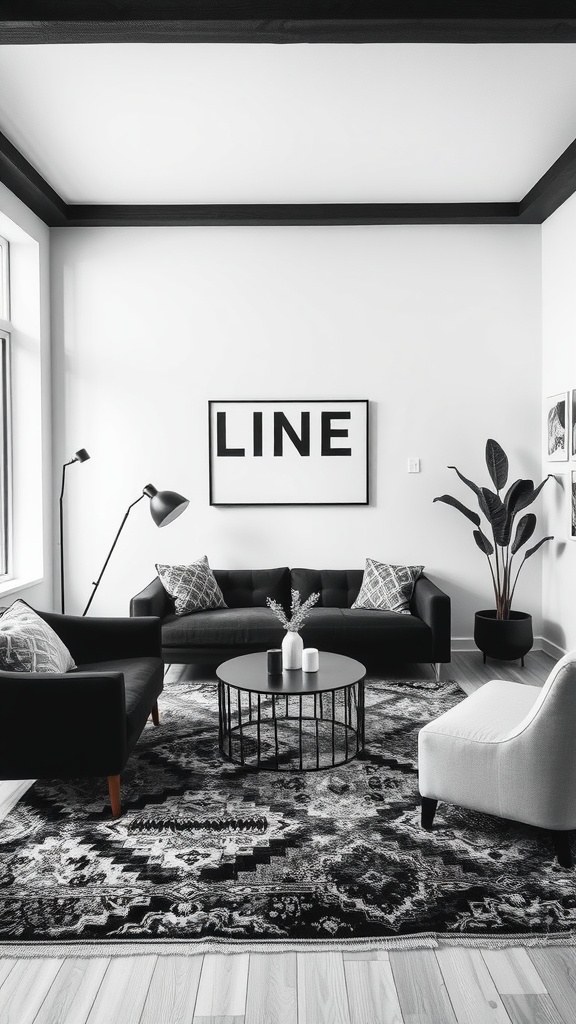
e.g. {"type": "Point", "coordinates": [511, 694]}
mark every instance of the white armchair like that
{"type": "Point", "coordinates": [510, 750]}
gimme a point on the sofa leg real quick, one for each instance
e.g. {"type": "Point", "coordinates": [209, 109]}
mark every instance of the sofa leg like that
{"type": "Point", "coordinates": [437, 666]}
{"type": "Point", "coordinates": [114, 793]}
{"type": "Point", "coordinates": [562, 848]}
{"type": "Point", "coordinates": [155, 714]}
{"type": "Point", "coordinates": [428, 811]}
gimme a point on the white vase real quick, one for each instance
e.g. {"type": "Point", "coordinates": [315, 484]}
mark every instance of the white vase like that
{"type": "Point", "coordinates": [292, 647]}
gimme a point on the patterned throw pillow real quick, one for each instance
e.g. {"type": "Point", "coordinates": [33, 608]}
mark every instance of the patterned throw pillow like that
{"type": "Point", "coordinates": [193, 587]}
{"type": "Point", "coordinates": [387, 587]}
{"type": "Point", "coordinates": [28, 644]}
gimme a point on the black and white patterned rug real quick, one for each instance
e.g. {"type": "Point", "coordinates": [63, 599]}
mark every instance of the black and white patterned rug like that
{"type": "Point", "coordinates": [206, 850]}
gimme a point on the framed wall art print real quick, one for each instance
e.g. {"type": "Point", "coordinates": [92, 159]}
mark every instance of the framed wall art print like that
{"type": "Point", "coordinates": [288, 452]}
{"type": "Point", "coordinates": [573, 423]}
{"type": "Point", "coordinates": [556, 425]}
{"type": "Point", "coordinates": [572, 503]}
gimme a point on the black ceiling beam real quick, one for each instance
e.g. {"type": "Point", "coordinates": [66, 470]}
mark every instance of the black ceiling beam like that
{"type": "Point", "coordinates": [310, 30]}
{"type": "Point", "coordinates": [287, 21]}
{"type": "Point", "coordinates": [163, 10]}
{"type": "Point", "coordinates": [290, 214]}
{"type": "Point", "coordinates": [25, 182]}
{"type": "Point", "coordinates": [553, 189]}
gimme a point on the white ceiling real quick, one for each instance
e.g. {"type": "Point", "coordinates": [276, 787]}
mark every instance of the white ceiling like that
{"type": "Point", "coordinates": [196, 123]}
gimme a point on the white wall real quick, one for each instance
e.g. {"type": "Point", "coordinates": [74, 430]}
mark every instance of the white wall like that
{"type": "Point", "coordinates": [559, 374]}
{"type": "Point", "coordinates": [31, 404]}
{"type": "Point", "coordinates": [438, 326]}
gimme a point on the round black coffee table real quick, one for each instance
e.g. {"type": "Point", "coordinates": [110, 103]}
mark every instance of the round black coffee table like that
{"type": "Point", "coordinates": [301, 721]}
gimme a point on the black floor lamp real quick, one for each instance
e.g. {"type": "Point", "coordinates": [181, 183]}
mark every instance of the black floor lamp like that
{"type": "Point", "coordinates": [165, 507]}
{"type": "Point", "coordinates": [80, 456]}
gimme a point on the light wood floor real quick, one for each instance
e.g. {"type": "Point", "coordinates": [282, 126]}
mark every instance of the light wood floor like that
{"type": "Point", "coordinates": [449, 985]}
{"type": "Point", "coordinates": [446, 985]}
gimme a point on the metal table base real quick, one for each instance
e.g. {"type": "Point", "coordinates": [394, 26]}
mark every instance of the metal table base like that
{"type": "Point", "coordinates": [291, 732]}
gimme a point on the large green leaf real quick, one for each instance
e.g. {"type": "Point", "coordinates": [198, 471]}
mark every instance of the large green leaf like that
{"type": "Point", "coordinates": [469, 483]}
{"type": "Point", "coordinates": [524, 531]}
{"type": "Point", "coordinates": [528, 498]}
{"type": "Point", "coordinates": [497, 515]}
{"type": "Point", "coordinates": [449, 500]}
{"type": "Point", "coordinates": [483, 543]}
{"type": "Point", "coordinates": [497, 462]}
{"type": "Point", "coordinates": [536, 546]}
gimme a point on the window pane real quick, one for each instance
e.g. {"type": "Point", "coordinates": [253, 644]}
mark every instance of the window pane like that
{"type": "Point", "coordinates": [4, 450]}
{"type": "Point", "coordinates": [4, 279]}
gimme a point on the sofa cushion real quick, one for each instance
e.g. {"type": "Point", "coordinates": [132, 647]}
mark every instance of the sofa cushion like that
{"type": "Point", "coordinates": [29, 644]}
{"type": "Point", "coordinates": [193, 586]}
{"type": "Point", "coordinates": [323, 629]}
{"type": "Point", "coordinates": [143, 683]}
{"type": "Point", "coordinates": [387, 587]}
{"type": "Point", "coordinates": [249, 588]}
{"type": "Point", "coordinates": [363, 633]}
{"type": "Point", "coordinates": [338, 588]}
{"type": "Point", "coordinates": [229, 627]}
{"type": "Point", "coordinates": [393, 637]}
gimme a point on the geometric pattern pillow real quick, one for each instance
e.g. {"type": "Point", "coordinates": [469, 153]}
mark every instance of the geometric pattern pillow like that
{"type": "Point", "coordinates": [28, 644]}
{"type": "Point", "coordinates": [387, 587]}
{"type": "Point", "coordinates": [193, 587]}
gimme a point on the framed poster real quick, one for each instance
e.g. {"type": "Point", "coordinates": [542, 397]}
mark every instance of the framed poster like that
{"type": "Point", "coordinates": [288, 452]}
{"type": "Point", "coordinates": [557, 427]}
{"type": "Point", "coordinates": [572, 504]}
{"type": "Point", "coordinates": [573, 423]}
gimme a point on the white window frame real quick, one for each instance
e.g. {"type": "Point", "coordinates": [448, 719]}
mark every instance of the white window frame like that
{"type": "Point", "coordinates": [5, 416]}
{"type": "Point", "coordinates": [4, 281]}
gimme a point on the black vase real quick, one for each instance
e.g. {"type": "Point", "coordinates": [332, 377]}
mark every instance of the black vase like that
{"type": "Point", "coordinates": [504, 639]}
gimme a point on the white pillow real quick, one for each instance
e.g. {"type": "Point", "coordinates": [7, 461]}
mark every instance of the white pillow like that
{"type": "Point", "coordinates": [193, 587]}
{"type": "Point", "coordinates": [28, 644]}
{"type": "Point", "coordinates": [387, 587]}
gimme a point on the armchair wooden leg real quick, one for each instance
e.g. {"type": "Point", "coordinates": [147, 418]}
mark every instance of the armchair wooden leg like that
{"type": "Point", "coordinates": [155, 715]}
{"type": "Point", "coordinates": [562, 848]}
{"type": "Point", "coordinates": [114, 793]}
{"type": "Point", "coordinates": [428, 811]}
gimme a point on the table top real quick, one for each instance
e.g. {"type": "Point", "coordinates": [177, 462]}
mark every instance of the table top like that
{"type": "Point", "coordinates": [250, 672]}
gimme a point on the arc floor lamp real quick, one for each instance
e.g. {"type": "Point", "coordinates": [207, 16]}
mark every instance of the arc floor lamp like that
{"type": "Point", "coordinates": [165, 507]}
{"type": "Point", "coordinates": [80, 456]}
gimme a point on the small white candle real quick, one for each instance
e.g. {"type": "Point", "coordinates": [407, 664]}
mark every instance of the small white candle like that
{"type": "Point", "coordinates": [310, 659]}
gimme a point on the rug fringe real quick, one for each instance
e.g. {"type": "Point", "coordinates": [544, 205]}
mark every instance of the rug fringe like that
{"type": "Point", "coordinates": [188, 947]}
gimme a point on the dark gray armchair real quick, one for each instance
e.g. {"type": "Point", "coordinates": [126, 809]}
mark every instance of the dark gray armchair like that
{"type": "Point", "coordinates": [84, 722]}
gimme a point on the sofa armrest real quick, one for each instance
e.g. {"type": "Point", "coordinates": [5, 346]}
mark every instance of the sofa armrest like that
{"type": "Point", "coordinates": [432, 605]}
{"type": "Point", "coordinates": [62, 725]}
{"type": "Point", "coordinates": [153, 600]}
{"type": "Point", "coordinates": [101, 638]}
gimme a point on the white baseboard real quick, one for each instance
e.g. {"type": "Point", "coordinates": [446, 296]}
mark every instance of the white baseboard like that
{"type": "Point", "coordinates": [554, 650]}
{"type": "Point", "coordinates": [466, 643]}
{"type": "Point", "coordinates": [462, 643]}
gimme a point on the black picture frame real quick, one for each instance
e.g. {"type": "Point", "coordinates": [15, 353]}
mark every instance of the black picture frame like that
{"type": "Point", "coordinates": [259, 456]}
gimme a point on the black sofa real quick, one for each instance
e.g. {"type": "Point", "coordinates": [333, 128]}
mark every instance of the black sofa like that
{"type": "Point", "coordinates": [85, 722]}
{"type": "Point", "coordinates": [248, 625]}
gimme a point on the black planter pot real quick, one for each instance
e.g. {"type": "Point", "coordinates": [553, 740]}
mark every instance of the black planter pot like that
{"type": "Point", "coordinates": [504, 639]}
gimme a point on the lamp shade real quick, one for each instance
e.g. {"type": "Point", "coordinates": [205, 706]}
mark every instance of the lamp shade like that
{"type": "Point", "coordinates": [81, 455]}
{"type": "Point", "coordinates": [165, 506]}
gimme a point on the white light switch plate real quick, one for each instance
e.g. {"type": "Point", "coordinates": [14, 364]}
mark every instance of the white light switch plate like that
{"type": "Point", "coordinates": [413, 465]}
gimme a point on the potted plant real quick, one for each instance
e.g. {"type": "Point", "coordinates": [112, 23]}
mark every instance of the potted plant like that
{"type": "Point", "coordinates": [292, 643]}
{"type": "Point", "coordinates": [500, 632]}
